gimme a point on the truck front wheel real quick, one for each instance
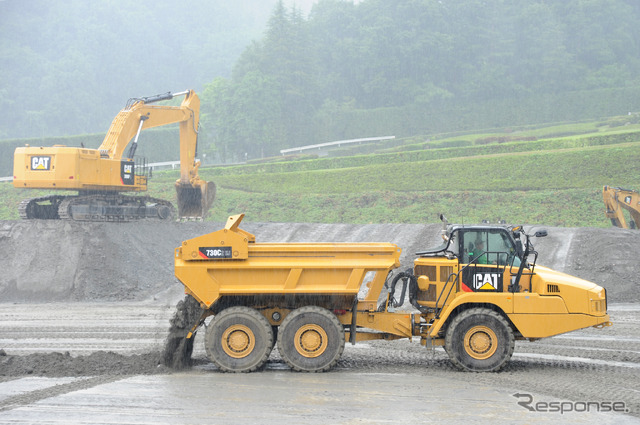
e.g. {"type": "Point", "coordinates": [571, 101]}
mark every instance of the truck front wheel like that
{"type": "Point", "coordinates": [479, 340]}
{"type": "Point", "coordinates": [311, 339]}
{"type": "Point", "coordinates": [239, 339]}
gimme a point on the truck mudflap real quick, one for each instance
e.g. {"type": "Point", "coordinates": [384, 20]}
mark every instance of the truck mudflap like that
{"type": "Point", "coordinates": [199, 322]}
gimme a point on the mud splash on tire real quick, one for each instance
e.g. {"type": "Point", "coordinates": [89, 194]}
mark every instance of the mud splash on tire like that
{"type": "Point", "coordinates": [177, 348]}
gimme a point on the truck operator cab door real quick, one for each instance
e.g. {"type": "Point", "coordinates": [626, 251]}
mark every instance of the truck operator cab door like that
{"type": "Point", "coordinates": [488, 260]}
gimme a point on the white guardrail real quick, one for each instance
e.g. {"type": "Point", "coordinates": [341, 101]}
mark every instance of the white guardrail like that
{"type": "Point", "coordinates": [336, 143]}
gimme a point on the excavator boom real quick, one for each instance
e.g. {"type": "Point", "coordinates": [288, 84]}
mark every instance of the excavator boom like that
{"type": "Point", "coordinates": [618, 200]}
{"type": "Point", "coordinates": [195, 196]}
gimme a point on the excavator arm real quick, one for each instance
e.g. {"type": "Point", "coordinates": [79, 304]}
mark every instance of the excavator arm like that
{"type": "Point", "coordinates": [195, 196]}
{"type": "Point", "coordinates": [616, 200]}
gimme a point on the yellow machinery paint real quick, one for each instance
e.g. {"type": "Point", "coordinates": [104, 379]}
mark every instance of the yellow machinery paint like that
{"type": "Point", "coordinates": [99, 175]}
{"type": "Point", "coordinates": [622, 206]}
{"type": "Point", "coordinates": [228, 262]}
{"type": "Point", "coordinates": [312, 297]}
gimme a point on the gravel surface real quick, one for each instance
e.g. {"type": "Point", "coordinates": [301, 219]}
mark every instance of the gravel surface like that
{"type": "Point", "coordinates": [97, 302]}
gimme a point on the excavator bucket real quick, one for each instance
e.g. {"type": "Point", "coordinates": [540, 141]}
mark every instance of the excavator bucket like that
{"type": "Point", "coordinates": [195, 201]}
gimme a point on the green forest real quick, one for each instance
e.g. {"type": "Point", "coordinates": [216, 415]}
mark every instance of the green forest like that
{"type": "Point", "coordinates": [410, 67]}
{"type": "Point", "coordinates": [68, 67]}
{"type": "Point", "coordinates": [273, 75]}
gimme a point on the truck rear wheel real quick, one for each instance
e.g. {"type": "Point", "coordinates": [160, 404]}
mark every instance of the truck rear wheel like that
{"type": "Point", "coordinates": [311, 339]}
{"type": "Point", "coordinates": [479, 340]}
{"type": "Point", "coordinates": [239, 339]}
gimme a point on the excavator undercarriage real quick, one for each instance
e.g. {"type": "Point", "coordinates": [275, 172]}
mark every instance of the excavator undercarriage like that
{"type": "Point", "coordinates": [96, 207]}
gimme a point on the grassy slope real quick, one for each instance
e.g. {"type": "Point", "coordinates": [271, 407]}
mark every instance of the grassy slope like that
{"type": "Point", "coordinates": [554, 181]}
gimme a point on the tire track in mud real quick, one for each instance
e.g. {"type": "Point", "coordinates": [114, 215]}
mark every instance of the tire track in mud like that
{"type": "Point", "coordinates": [587, 365]}
{"type": "Point", "coordinates": [568, 380]}
{"type": "Point", "coordinates": [31, 397]}
{"type": "Point", "coordinates": [557, 375]}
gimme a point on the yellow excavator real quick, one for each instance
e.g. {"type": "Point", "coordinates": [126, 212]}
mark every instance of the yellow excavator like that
{"type": "Point", "coordinates": [100, 176]}
{"type": "Point", "coordinates": [617, 201]}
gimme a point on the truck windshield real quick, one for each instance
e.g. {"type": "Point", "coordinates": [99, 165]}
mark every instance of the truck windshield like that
{"type": "Point", "coordinates": [489, 247]}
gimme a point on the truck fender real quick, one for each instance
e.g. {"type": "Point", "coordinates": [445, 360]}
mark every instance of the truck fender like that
{"type": "Point", "coordinates": [448, 313]}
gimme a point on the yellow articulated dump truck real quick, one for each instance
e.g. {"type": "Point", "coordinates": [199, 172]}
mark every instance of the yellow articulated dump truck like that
{"type": "Point", "coordinates": [475, 295]}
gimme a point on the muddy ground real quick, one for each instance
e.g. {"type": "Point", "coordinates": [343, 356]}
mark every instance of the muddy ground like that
{"type": "Point", "coordinates": [94, 302]}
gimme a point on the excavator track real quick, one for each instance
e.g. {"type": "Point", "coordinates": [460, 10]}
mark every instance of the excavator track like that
{"type": "Point", "coordinates": [43, 207]}
{"type": "Point", "coordinates": [115, 208]}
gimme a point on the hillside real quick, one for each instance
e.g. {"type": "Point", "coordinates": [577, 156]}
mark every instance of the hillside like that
{"type": "Point", "coordinates": [529, 176]}
{"type": "Point", "coordinates": [275, 74]}
{"type": "Point", "coordinates": [551, 175]}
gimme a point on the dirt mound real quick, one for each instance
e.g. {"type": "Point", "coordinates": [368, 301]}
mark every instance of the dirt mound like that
{"type": "Point", "coordinates": [60, 261]}
{"type": "Point", "coordinates": [95, 364]}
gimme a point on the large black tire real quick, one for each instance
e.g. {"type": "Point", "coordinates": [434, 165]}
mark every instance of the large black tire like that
{"type": "Point", "coordinates": [311, 339]}
{"type": "Point", "coordinates": [239, 339]}
{"type": "Point", "coordinates": [479, 340]}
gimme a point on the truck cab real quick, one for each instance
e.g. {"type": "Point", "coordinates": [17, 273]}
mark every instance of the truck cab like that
{"type": "Point", "coordinates": [489, 258]}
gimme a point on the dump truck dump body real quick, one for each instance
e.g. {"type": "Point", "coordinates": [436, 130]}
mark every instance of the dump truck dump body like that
{"type": "Point", "coordinates": [222, 264]}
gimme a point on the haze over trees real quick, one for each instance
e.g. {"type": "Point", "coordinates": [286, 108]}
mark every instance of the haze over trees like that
{"type": "Point", "coordinates": [414, 67]}
{"type": "Point", "coordinates": [345, 70]}
{"type": "Point", "coordinates": [68, 67]}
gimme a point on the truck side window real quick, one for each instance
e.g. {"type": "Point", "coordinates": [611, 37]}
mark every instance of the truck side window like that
{"type": "Point", "coordinates": [489, 247]}
{"type": "Point", "coordinates": [474, 245]}
{"type": "Point", "coordinates": [511, 254]}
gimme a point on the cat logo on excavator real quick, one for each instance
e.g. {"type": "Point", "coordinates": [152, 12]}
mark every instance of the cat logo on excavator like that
{"type": "Point", "coordinates": [41, 163]}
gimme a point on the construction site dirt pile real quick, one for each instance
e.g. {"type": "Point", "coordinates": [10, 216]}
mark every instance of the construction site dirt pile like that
{"type": "Point", "coordinates": [98, 363]}
{"type": "Point", "coordinates": [48, 261]}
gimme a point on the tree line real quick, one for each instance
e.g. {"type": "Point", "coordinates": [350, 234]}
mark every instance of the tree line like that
{"type": "Point", "coordinates": [67, 68]}
{"type": "Point", "coordinates": [348, 69]}
{"type": "Point", "coordinates": [345, 70]}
